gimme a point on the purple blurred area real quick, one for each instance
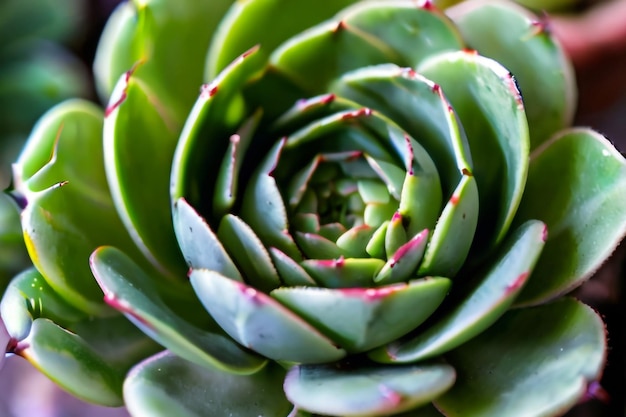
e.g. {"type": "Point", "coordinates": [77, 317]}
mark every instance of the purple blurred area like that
{"type": "Point", "coordinates": [27, 393]}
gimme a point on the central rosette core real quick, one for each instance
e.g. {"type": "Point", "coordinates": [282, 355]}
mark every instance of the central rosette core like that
{"type": "Point", "coordinates": [337, 193]}
{"type": "Point", "coordinates": [358, 195]}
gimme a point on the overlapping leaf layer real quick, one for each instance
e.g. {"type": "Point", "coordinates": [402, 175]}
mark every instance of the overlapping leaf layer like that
{"type": "Point", "coordinates": [361, 214]}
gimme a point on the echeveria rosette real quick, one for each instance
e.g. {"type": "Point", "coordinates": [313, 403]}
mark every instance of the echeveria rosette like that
{"type": "Point", "coordinates": [358, 216]}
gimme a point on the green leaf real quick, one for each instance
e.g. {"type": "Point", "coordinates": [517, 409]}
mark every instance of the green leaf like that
{"type": "Point", "coordinates": [363, 318]}
{"type": "Point", "coordinates": [402, 264]}
{"type": "Point", "coordinates": [367, 34]}
{"type": "Point", "coordinates": [217, 113]}
{"type": "Point", "coordinates": [251, 256]}
{"type": "Point", "coordinates": [246, 25]}
{"type": "Point", "coordinates": [128, 289]}
{"type": "Point", "coordinates": [166, 385]}
{"type": "Point", "coordinates": [487, 101]}
{"type": "Point", "coordinates": [491, 294]}
{"type": "Point", "coordinates": [263, 207]}
{"type": "Point", "coordinates": [28, 297]}
{"type": "Point", "coordinates": [343, 272]}
{"type": "Point", "coordinates": [445, 255]}
{"type": "Point", "coordinates": [169, 39]}
{"type": "Point", "coordinates": [362, 390]}
{"type": "Point", "coordinates": [291, 273]}
{"type": "Point", "coordinates": [260, 323]}
{"type": "Point", "coordinates": [116, 341]}
{"type": "Point", "coordinates": [66, 359]}
{"type": "Point", "coordinates": [60, 178]}
{"type": "Point", "coordinates": [585, 177]}
{"type": "Point", "coordinates": [139, 135]}
{"type": "Point", "coordinates": [538, 360]}
{"type": "Point", "coordinates": [522, 43]}
{"type": "Point", "coordinates": [227, 182]}
{"type": "Point", "coordinates": [418, 106]}
{"type": "Point", "coordinates": [199, 244]}
{"type": "Point", "coordinates": [413, 30]}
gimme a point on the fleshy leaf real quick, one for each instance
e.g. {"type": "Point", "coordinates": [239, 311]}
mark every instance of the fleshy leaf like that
{"type": "Point", "coordinates": [585, 177]}
{"type": "Point", "coordinates": [291, 273]}
{"type": "Point", "coordinates": [140, 134]}
{"type": "Point", "coordinates": [227, 182]}
{"type": "Point", "coordinates": [216, 115]}
{"type": "Point", "coordinates": [445, 256]}
{"type": "Point", "coordinates": [343, 272]}
{"type": "Point", "coordinates": [114, 339]}
{"type": "Point", "coordinates": [538, 62]}
{"type": "Point", "coordinates": [27, 297]}
{"type": "Point", "coordinates": [489, 297]}
{"type": "Point", "coordinates": [248, 252]}
{"type": "Point", "coordinates": [166, 385]}
{"type": "Point", "coordinates": [199, 244]}
{"type": "Point", "coordinates": [263, 206]}
{"type": "Point", "coordinates": [402, 264]}
{"type": "Point", "coordinates": [246, 24]}
{"type": "Point", "coordinates": [567, 333]}
{"type": "Point", "coordinates": [169, 39]}
{"type": "Point", "coordinates": [363, 36]}
{"type": "Point", "coordinates": [260, 323]}
{"type": "Point", "coordinates": [66, 359]}
{"type": "Point", "coordinates": [366, 390]}
{"type": "Point", "coordinates": [60, 179]}
{"type": "Point", "coordinates": [128, 289]}
{"type": "Point", "coordinates": [363, 318]}
{"type": "Point", "coordinates": [486, 99]}
{"type": "Point", "coordinates": [419, 107]}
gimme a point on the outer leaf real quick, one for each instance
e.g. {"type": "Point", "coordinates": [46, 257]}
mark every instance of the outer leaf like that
{"type": "Point", "coordinates": [71, 363]}
{"type": "Point", "coordinates": [28, 297]}
{"type": "Point", "coordinates": [166, 385]}
{"type": "Point", "coordinates": [128, 289]}
{"type": "Point", "coordinates": [538, 62]}
{"type": "Point", "coordinates": [585, 178]}
{"type": "Point", "coordinates": [566, 333]}
{"type": "Point", "coordinates": [138, 136]}
{"type": "Point", "coordinates": [73, 213]}
{"type": "Point", "coordinates": [118, 341]}
{"type": "Point", "coordinates": [246, 25]}
{"type": "Point", "coordinates": [169, 38]}
{"type": "Point", "coordinates": [364, 390]}
{"type": "Point", "coordinates": [367, 34]}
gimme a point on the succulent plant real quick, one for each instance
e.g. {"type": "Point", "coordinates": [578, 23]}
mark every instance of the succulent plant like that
{"type": "Point", "coordinates": [364, 213]}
